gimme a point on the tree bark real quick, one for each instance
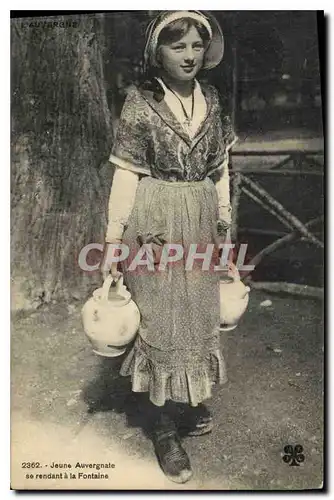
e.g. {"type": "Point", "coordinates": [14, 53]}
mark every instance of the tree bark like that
{"type": "Point", "coordinates": [61, 136]}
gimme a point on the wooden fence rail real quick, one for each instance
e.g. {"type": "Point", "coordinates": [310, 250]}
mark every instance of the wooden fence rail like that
{"type": "Point", "coordinates": [241, 183]}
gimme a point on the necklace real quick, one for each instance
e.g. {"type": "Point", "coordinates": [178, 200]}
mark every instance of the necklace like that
{"type": "Point", "coordinates": [188, 119]}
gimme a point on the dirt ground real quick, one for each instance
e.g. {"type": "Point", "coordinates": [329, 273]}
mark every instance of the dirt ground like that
{"type": "Point", "coordinates": [70, 405]}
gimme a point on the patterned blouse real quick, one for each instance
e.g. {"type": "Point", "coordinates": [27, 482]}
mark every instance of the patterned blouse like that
{"type": "Point", "coordinates": [151, 140]}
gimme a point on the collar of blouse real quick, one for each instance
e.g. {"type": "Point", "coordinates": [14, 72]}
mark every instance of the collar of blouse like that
{"type": "Point", "coordinates": [189, 112]}
{"type": "Point", "coordinates": [163, 102]}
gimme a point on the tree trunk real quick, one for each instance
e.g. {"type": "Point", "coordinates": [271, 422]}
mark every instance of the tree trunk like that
{"type": "Point", "coordinates": [61, 137]}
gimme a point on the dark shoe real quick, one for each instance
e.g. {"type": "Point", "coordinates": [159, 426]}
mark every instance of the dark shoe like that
{"type": "Point", "coordinates": [198, 422]}
{"type": "Point", "coordinates": [172, 457]}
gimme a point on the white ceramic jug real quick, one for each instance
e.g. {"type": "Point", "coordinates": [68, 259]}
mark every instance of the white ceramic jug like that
{"type": "Point", "coordinates": [110, 318]}
{"type": "Point", "coordinates": [234, 297]}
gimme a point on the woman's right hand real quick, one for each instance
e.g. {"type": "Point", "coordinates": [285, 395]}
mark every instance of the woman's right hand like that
{"type": "Point", "coordinates": [108, 267]}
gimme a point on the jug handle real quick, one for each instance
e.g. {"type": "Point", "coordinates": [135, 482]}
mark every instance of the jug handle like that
{"type": "Point", "coordinates": [235, 273]}
{"type": "Point", "coordinates": [236, 277]}
{"type": "Point", "coordinates": [120, 288]}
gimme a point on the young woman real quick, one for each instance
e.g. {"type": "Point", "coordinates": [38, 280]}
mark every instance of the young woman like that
{"type": "Point", "coordinates": [171, 185]}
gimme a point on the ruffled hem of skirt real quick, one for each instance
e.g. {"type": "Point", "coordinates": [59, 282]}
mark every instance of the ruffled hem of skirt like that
{"type": "Point", "coordinates": [183, 377]}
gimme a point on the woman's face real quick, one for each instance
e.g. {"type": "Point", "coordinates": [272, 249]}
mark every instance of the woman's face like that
{"type": "Point", "coordinates": [183, 59]}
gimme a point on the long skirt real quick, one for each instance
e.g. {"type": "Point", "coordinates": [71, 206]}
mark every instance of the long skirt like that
{"type": "Point", "coordinates": [177, 353]}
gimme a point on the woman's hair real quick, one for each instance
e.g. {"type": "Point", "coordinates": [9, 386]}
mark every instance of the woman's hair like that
{"type": "Point", "coordinates": [179, 28]}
